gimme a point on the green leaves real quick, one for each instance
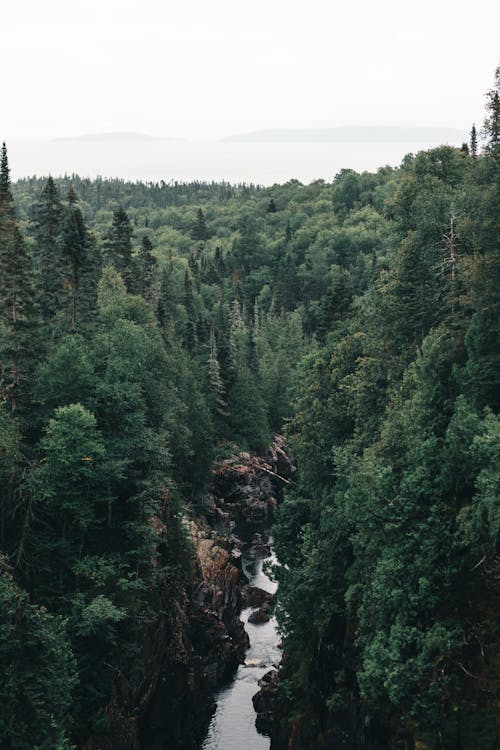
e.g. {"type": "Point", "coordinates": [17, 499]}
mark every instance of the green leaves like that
{"type": "Point", "coordinates": [38, 673]}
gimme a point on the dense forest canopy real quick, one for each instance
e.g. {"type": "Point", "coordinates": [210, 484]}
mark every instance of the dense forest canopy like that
{"type": "Point", "coordinates": [146, 329]}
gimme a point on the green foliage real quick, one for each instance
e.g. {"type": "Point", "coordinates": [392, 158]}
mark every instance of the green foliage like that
{"type": "Point", "coordinates": [38, 673]}
{"type": "Point", "coordinates": [363, 315]}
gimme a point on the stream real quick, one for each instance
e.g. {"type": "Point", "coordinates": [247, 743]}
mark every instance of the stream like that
{"type": "Point", "coordinates": [233, 723]}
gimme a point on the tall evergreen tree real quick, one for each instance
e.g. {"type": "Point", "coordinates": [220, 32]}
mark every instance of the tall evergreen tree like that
{"type": "Point", "coordinates": [146, 264]}
{"type": "Point", "coordinates": [17, 311]}
{"type": "Point", "coordinates": [215, 381]}
{"type": "Point", "coordinates": [118, 246]}
{"type": "Point", "coordinates": [473, 142]}
{"type": "Point", "coordinates": [492, 121]}
{"type": "Point", "coordinates": [75, 242]}
{"type": "Point", "coordinates": [200, 230]}
{"type": "Point", "coordinates": [48, 221]}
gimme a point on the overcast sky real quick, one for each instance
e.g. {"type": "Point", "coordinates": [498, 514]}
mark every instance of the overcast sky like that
{"type": "Point", "coordinates": [209, 68]}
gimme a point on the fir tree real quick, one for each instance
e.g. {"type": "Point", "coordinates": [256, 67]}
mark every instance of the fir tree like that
{"type": "Point", "coordinates": [75, 242]}
{"type": "Point", "coordinates": [48, 222]}
{"type": "Point", "coordinates": [166, 307]}
{"type": "Point", "coordinates": [17, 309]}
{"type": "Point", "coordinates": [473, 142]}
{"type": "Point", "coordinates": [492, 122]}
{"type": "Point", "coordinates": [4, 172]}
{"type": "Point", "coordinates": [118, 246]}
{"type": "Point", "coordinates": [146, 265]}
{"type": "Point", "coordinates": [190, 337]}
{"type": "Point", "coordinates": [215, 381]}
{"type": "Point", "coordinates": [200, 230]}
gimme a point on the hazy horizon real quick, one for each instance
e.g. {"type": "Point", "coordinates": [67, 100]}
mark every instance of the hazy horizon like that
{"type": "Point", "coordinates": [205, 71]}
{"type": "Point", "coordinates": [346, 133]}
{"type": "Point", "coordinates": [263, 163]}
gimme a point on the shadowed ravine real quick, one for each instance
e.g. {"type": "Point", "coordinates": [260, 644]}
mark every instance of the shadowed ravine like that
{"type": "Point", "coordinates": [233, 724]}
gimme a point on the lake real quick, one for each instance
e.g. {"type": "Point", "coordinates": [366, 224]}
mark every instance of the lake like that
{"type": "Point", "coordinates": [261, 163]}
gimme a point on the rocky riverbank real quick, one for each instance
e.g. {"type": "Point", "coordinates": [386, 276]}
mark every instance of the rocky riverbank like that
{"type": "Point", "coordinates": [206, 640]}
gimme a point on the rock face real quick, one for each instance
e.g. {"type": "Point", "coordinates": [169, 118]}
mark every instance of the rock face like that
{"type": "Point", "coordinates": [201, 644]}
{"type": "Point", "coordinates": [206, 642]}
{"type": "Point", "coordinates": [246, 488]}
{"type": "Point", "coordinates": [266, 702]}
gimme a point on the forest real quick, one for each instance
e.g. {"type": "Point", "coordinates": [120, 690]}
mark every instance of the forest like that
{"type": "Point", "coordinates": [148, 330]}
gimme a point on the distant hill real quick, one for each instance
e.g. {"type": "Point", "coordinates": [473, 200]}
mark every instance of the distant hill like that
{"type": "Point", "coordinates": [355, 133]}
{"type": "Point", "coordinates": [117, 138]}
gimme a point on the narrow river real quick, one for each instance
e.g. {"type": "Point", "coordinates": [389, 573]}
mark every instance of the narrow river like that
{"type": "Point", "coordinates": [233, 724]}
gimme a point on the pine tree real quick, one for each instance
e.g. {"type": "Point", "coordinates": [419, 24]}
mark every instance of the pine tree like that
{"type": "Point", "coordinates": [146, 265]}
{"type": "Point", "coordinates": [48, 220]}
{"type": "Point", "coordinates": [219, 261]}
{"type": "Point", "coordinates": [215, 382]}
{"type": "Point", "coordinates": [118, 246]}
{"type": "Point", "coordinates": [238, 338]}
{"type": "Point", "coordinates": [473, 142]}
{"type": "Point", "coordinates": [17, 309]}
{"type": "Point", "coordinates": [190, 338]}
{"type": "Point", "coordinates": [492, 122]}
{"type": "Point", "coordinates": [166, 307]}
{"type": "Point", "coordinates": [271, 208]}
{"type": "Point", "coordinates": [4, 172]}
{"type": "Point", "coordinates": [200, 230]}
{"type": "Point", "coordinates": [75, 241]}
{"type": "Point", "coordinates": [89, 282]}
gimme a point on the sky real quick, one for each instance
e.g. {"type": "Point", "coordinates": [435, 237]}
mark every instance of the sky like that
{"type": "Point", "coordinates": [204, 69]}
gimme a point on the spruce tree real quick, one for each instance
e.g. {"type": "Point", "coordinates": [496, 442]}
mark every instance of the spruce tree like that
{"type": "Point", "coordinates": [4, 171]}
{"type": "Point", "coordinates": [492, 121]}
{"type": "Point", "coordinates": [118, 246]}
{"type": "Point", "coordinates": [215, 381]}
{"type": "Point", "coordinates": [473, 142]}
{"type": "Point", "coordinates": [146, 265]}
{"type": "Point", "coordinates": [17, 309]}
{"type": "Point", "coordinates": [75, 242]}
{"type": "Point", "coordinates": [166, 308]}
{"type": "Point", "coordinates": [48, 222]}
{"type": "Point", "coordinates": [190, 336]}
{"type": "Point", "coordinates": [200, 230]}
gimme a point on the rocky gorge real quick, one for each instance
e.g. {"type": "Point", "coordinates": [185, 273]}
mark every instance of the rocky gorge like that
{"type": "Point", "coordinates": [206, 640]}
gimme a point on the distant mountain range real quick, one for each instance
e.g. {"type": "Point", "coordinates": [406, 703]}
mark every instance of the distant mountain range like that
{"type": "Point", "coordinates": [117, 138]}
{"type": "Point", "coordinates": [355, 133]}
{"type": "Point", "coordinates": [344, 134]}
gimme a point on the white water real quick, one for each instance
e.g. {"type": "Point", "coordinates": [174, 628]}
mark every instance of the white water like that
{"type": "Point", "coordinates": [233, 724]}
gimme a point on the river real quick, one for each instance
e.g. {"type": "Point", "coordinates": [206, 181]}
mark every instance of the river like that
{"type": "Point", "coordinates": [233, 723]}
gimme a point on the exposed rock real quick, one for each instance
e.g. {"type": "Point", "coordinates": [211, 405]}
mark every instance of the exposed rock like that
{"type": "Point", "coordinates": [193, 649]}
{"type": "Point", "coordinates": [259, 617]}
{"type": "Point", "coordinates": [246, 488]}
{"type": "Point", "coordinates": [252, 596]}
{"type": "Point", "coordinates": [265, 702]}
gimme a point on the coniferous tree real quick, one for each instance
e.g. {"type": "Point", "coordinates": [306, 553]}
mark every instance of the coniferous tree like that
{"type": "Point", "coordinates": [215, 381]}
{"type": "Point", "coordinates": [75, 246]}
{"type": "Point", "coordinates": [48, 223]}
{"type": "Point", "coordinates": [118, 246]}
{"type": "Point", "coordinates": [146, 264]}
{"type": "Point", "coordinates": [473, 142]}
{"type": "Point", "coordinates": [200, 230]}
{"type": "Point", "coordinates": [492, 122]}
{"type": "Point", "coordinates": [17, 308]}
{"type": "Point", "coordinates": [166, 308]}
{"type": "Point", "coordinates": [190, 312]}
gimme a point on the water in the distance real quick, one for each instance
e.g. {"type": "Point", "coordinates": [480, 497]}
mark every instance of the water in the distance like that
{"type": "Point", "coordinates": [262, 163]}
{"type": "Point", "coordinates": [233, 724]}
